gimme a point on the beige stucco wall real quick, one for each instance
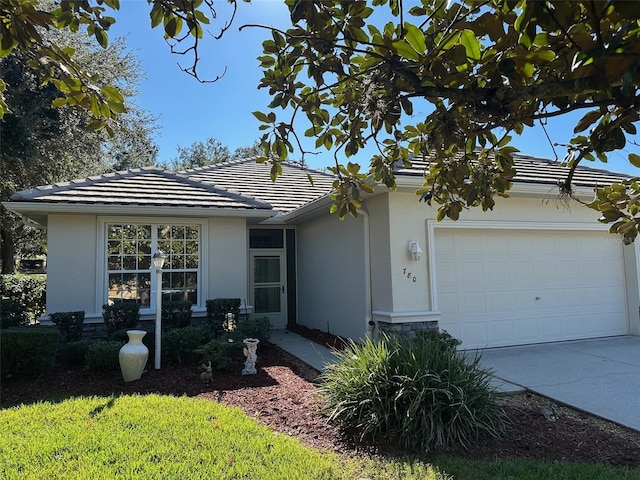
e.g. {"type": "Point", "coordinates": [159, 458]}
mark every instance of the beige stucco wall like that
{"type": "Point", "coordinates": [331, 279]}
{"type": "Point", "coordinates": [227, 258]}
{"type": "Point", "coordinates": [380, 237]}
{"type": "Point", "coordinates": [71, 263]}
{"type": "Point", "coordinates": [409, 222]}
{"type": "Point", "coordinates": [73, 276]}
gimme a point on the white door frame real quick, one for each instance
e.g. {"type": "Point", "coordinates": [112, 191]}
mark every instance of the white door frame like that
{"type": "Point", "coordinates": [278, 319]}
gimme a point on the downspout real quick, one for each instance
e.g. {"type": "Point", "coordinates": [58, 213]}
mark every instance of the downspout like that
{"type": "Point", "coordinates": [370, 325]}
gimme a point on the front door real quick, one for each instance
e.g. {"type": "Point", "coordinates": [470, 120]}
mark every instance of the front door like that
{"type": "Point", "coordinates": [268, 286]}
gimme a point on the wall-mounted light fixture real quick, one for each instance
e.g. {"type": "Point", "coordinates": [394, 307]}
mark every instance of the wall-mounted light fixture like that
{"type": "Point", "coordinates": [415, 250]}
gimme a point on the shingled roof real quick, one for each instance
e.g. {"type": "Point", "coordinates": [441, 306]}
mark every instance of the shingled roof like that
{"type": "Point", "coordinates": [296, 186]}
{"type": "Point", "coordinates": [244, 187]}
{"type": "Point", "coordinates": [537, 170]}
{"type": "Point", "coordinates": [140, 187]}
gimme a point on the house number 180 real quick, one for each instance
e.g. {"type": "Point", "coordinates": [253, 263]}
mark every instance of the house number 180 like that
{"type": "Point", "coordinates": [409, 275]}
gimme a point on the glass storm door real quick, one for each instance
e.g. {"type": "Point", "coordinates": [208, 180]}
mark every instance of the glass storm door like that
{"type": "Point", "coordinates": [268, 287]}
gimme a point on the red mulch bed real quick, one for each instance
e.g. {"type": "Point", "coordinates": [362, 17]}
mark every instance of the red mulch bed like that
{"type": "Point", "coordinates": [282, 394]}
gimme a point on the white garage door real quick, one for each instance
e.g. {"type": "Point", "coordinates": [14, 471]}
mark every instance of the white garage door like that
{"type": "Point", "coordinates": [514, 287]}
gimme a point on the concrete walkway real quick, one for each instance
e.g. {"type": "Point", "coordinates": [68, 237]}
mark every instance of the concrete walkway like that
{"type": "Point", "coordinates": [601, 377]}
{"type": "Point", "coordinates": [309, 352]}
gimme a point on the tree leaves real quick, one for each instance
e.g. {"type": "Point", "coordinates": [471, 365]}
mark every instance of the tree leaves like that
{"type": "Point", "coordinates": [448, 86]}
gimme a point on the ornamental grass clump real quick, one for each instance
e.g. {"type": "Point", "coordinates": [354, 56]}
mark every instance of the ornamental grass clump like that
{"type": "Point", "coordinates": [420, 393]}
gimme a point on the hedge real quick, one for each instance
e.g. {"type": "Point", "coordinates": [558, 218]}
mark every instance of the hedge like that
{"type": "Point", "coordinates": [28, 350]}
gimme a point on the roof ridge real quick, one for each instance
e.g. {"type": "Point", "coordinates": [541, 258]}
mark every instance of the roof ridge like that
{"type": "Point", "coordinates": [215, 165]}
{"type": "Point", "coordinates": [237, 161]}
{"type": "Point", "coordinates": [562, 163]}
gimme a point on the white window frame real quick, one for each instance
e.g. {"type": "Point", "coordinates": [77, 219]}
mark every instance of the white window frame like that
{"type": "Point", "coordinates": [102, 266]}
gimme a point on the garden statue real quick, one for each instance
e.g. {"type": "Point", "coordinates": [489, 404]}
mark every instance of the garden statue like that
{"type": "Point", "coordinates": [250, 349]}
{"type": "Point", "coordinates": [207, 375]}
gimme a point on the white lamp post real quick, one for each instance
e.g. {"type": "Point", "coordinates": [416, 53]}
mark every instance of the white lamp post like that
{"type": "Point", "coordinates": [158, 262]}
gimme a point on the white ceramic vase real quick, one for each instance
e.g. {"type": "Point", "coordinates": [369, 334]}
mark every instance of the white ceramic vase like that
{"type": "Point", "coordinates": [133, 356]}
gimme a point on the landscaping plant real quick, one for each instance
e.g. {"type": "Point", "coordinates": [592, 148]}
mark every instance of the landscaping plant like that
{"type": "Point", "coordinates": [179, 345]}
{"type": "Point", "coordinates": [255, 327]}
{"type": "Point", "coordinates": [69, 323]}
{"type": "Point", "coordinates": [121, 315]}
{"type": "Point", "coordinates": [217, 351]}
{"type": "Point", "coordinates": [217, 310]}
{"type": "Point", "coordinates": [176, 315]}
{"type": "Point", "coordinates": [102, 356]}
{"type": "Point", "coordinates": [418, 392]}
{"type": "Point", "coordinates": [28, 350]}
{"type": "Point", "coordinates": [28, 290]}
{"type": "Point", "coordinates": [12, 313]}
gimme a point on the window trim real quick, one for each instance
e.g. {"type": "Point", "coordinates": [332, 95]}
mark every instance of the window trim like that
{"type": "Point", "coordinates": [102, 266]}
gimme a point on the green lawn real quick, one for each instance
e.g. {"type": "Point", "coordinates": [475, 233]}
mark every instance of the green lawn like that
{"type": "Point", "coordinates": [167, 437]}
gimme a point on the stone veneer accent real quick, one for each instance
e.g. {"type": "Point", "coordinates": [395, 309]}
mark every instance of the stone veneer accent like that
{"type": "Point", "coordinates": [408, 329]}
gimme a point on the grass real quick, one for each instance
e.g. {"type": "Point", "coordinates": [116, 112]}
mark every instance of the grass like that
{"type": "Point", "coordinates": [166, 437]}
{"type": "Point", "coordinates": [156, 436]}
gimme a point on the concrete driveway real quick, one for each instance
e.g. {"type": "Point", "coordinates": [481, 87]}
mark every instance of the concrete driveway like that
{"type": "Point", "coordinates": [598, 376]}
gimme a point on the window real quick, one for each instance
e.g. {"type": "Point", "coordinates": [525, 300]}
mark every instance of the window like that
{"type": "Point", "coordinates": [265, 238]}
{"type": "Point", "coordinates": [130, 275]}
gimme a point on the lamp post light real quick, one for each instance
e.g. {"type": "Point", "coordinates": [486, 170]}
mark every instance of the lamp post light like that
{"type": "Point", "coordinates": [158, 262]}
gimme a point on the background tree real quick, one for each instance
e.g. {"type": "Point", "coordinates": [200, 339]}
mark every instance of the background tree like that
{"type": "Point", "coordinates": [43, 144]}
{"type": "Point", "coordinates": [201, 154]}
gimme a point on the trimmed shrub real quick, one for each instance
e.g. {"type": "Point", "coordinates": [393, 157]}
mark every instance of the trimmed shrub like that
{"type": "Point", "coordinates": [179, 345]}
{"type": "Point", "coordinates": [28, 350]}
{"type": "Point", "coordinates": [103, 356]}
{"type": "Point", "coordinates": [69, 323]}
{"type": "Point", "coordinates": [121, 315]}
{"type": "Point", "coordinates": [12, 313]}
{"type": "Point", "coordinates": [257, 327]}
{"type": "Point", "coordinates": [217, 310]}
{"type": "Point", "coordinates": [28, 290]}
{"type": "Point", "coordinates": [218, 351]}
{"type": "Point", "coordinates": [176, 315]}
{"type": "Point", "coordinates": [420, 393]}
{"type": "Point", "coordinates": [73, 353]}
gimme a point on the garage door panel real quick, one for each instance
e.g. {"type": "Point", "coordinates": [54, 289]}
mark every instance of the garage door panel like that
{"type": "Point", "coordinates": [497, 272]}
{"type": "Point", "coordinates": [520, 245]}
{"type": "Point", "coordinates": [495, 246]}
{"type": "Point", "coordinates": [526, 330]}
{"type": "Point", "coordinates": [472, 303]}
{"type": "Point", "coordinates": [523, 300]}
{"type": "Point", "coordinates": [522, 272]}
{"type": "Point", "coordinates": [547, 299]}
{"type": "Point", "coordinates": [546, 271]}
{"type": "Point", "coordinates": [502, 332]}
{"type": "Point", "coordinates": [498, 302]}
{"type": "Point", "coordinates": [551, 328]}
{"type": "Point", "coordinates": [449, 302]}
{"type": "Point", "coordinates": [470, 274]}
{"type": "Point", "coordinates": [475, 330]}
{"type": "Point", "coordinates": [546, 286]}
{"type": "Point", "coordinates": [544, 245]}
{"type": "Point", "coordinates": [468, 245]}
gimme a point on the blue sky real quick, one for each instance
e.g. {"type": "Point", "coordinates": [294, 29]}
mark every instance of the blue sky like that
{"type": "Point", "coordinates": [189, 111]}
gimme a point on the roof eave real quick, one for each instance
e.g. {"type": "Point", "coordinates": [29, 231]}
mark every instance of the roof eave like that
{"type": "Point", "coordinates": [35, 211]}
{"type": "Point", "coordinates": [413, 183]}
{"type": "Point", "coordinates": [308, 210]}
